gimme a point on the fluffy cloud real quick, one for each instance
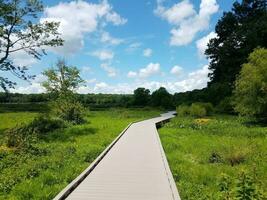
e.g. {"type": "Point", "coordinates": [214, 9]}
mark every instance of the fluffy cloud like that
{"type": "Point", "coordinates": [147, 52]}
{"type": "Point", "coordinates": [110, 70]}
{"type": "Point", "coordinates": [79, 18]}
{"type": "Point", "coordinates": [176, 70]}
{"type": "Point", "coordinates": [185, 20]}
{"type": "Point", "coordinates": [103, 54]}
{"type": "Point", "coordinates": [149, 70]}
{"type": "Point", "coordinates": [194, 80]}
{"type": "Point", "coordinates": [202, 43]}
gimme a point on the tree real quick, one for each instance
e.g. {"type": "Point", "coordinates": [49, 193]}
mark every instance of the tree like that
{"type": "Point", "coordinates": [62, 82]}
{"type": "Point", "coordinates": [250, 94]}
{"type": "Point", "coordinates": [141, 97]}
{"type": "Point", "coordinates": [238, 33]}
{"type": "Point", "coordinates": [19, 32]}
{"type": "Point", "coordinates": [162, 98]}
{"type": "Point", "coordinates": [63, 79]}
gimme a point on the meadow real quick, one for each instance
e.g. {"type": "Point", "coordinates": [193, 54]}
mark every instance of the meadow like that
{"type": "Point", "coordinates": [43, 170]}
{"type": "Point", "coordinates": [219, 157]}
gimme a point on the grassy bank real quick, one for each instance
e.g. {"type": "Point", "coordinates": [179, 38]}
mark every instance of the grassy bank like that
{"type": "Point", "coordinates": [201, 151]}
{"type": "Point", "coordinates": [56, 159]}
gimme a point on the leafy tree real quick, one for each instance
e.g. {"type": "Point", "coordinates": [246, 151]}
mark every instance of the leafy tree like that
{"type": "Point", "coordinates": [63, 79]}
{"type": "Point", "coordinates": [238, 32]}
{"type": "Point", "coordinates": [250, 94]}
{"type": "Point", "coordinates": [141, 97]}
{"type": "Point", "coordinates": [19, 32]}
{"type": "Point", "coordinates": [62, 82]}
{"type": "Point", "coordinates": [162, 98]}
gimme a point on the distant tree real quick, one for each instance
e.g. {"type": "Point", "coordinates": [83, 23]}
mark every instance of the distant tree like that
{"type": "Point", "coordinates": [162, 98]}
{"type": "Point", "coordinates": [62, 79]}
{"type": "Point", "coordinates": [238, 32]}
{"type": "Point", "coordinates": [250, 94]}
{"type": "Point", "coordinates": [19, 31]}
{"type": "Point", "coordinates": [141, 97]}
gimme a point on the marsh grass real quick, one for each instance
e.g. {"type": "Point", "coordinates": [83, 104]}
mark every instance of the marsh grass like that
{"type": "Point", "coordinates": [200, 151]}
{"type": "Point", "coordinates": [43, 170]}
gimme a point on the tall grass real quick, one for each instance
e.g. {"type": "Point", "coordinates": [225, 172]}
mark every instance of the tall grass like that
{"type": "Point", "coordinates": [54, 161]}
{"type": "Point", "coordinates": [200, 151]}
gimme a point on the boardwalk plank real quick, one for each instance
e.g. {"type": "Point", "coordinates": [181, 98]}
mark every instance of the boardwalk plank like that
{"type": "Point", "coordinates": [134, 169]}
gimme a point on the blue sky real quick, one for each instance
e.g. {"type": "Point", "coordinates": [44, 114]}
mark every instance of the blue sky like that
{"type": "Point", "coordinates": [120, 45]}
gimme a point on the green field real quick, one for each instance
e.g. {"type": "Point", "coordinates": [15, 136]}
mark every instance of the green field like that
{"type": "Point", "coordinates": [56, 159]}
{"type": "Point", "coordinates": [200, 151]}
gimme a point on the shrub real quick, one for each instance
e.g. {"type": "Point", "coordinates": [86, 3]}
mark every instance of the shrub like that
{"type": "Point", "coordinates": [20, 136]}
{"type": "Point", "coordinates": [225, 106]}
{"type": "Point", "coordinates": [183, 110]}
{"type": "Point", "coordinates": [69, 110]}
{"type": "Point", "coordinates": [208, 106]}
{"type": "Point", "coordinates": [243, 187]}
{"type": "Point", "coordinates": [197, 110]}
{"type": "Point", "coordinates": [45, 124]}
{"type": "Point", "coordinates": [25, 134]}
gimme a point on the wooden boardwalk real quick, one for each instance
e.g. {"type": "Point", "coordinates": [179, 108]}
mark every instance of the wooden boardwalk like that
{"type": "Point", "coordinates": [134, 167]}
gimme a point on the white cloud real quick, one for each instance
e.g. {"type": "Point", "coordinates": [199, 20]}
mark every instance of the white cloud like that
{"type": "Point", "coordinates": [78, 19]}
{"type": "Point", "coordinates": [131, 74]}
{"type": "Point", "coordinates": [110, 70]}
{"type": "Point", "coordinates": [103, 54]}
{"type": "Point", "coordinates": [177, 70]}
{"type": "Point", "coordinates": [147, 52]}
{"type": "Point", "coordinates": [34, 87]}
{"type": "Point", "coordinates": [149, 70]}
{"type": "Point", "coordinates": [185, 20]}
{"type": "Point", "coordinates": [177, 13]}
{"type": "Point", "coordinates": [106, 38]}
{"type": "Point", "coordinates": [202, 43]}
{"type": "Point", "coordinates": [194, 80]}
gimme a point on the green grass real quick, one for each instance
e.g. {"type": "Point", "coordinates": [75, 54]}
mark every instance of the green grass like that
{"type": "Point", "coordinates": [56, 159]}
{"type": "Point", "coordinates": [199, 152]}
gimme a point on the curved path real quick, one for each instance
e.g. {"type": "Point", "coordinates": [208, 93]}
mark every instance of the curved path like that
{"type": "Point", "coordinates": [133, 167]}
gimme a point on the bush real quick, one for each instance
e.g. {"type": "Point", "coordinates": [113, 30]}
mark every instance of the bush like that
{"type": "Point", "coordinates": [45, 124]}
{"type": "Point", "coordinates": [225, 106]}
{"type": "Point", "coordinates": [69, 110]}
{"type": "Point", "coordinates": [183, 110]}
{"type": "Point", "coordinates": [20, 136]}
{"type": "Point", "coordinates": [25, 134]}
{"type": "Point", "coordinates": [243, 187]}
{"type": "Point", "coordinates": [208, 106]}
{"type": "Point", "coordinates": [197, 110]}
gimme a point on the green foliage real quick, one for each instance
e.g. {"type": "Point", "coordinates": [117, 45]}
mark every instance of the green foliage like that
{"type": "Point", "coordinates": [63, 79]}
{"type": "Point", "coordinates": [244, 187]}
{"type": "Point", "coordinates": [24, 135]}
{"type": "Point", "coordinates": [64, 154]}
{"type": "Point", "coordinates": [68, 109]}
{"type": "Point", "coordinates": [183, 110]}
{"type": "Point", "coordinates": [20, 136]}
{"type": "Point", "coordinates": [199, 150]}
{"type": "Point", "coordinates": [250, 95]}
{"type": "Point", "coordinates": [20, 31]}
{"type": "Point", "coordinates": [239, 32]}
{"type": "Point", "coordinates": [162, 98]}
{"type": "Point", "coordinates": [141, 97]}
{"type": "Point", "coordinates": [197, 110]}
